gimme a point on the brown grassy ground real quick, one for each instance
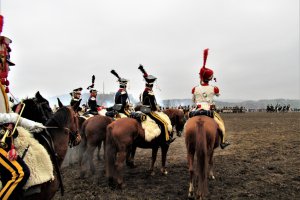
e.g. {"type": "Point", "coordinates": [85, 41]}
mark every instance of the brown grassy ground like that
{"type": "Point", "coordinates": [262, 163]}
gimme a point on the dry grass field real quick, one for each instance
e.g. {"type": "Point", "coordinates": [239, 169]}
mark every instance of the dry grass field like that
{"type": "Point", "coordinates": [263, 162]}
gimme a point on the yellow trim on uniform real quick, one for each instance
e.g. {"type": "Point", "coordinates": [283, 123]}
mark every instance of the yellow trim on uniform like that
{"type": "Point", "coordinates": [5, 97]}
{"type": "Point", "coordinates": [11, 184]}
{"type": "Point", "coordinates": [164, 122]}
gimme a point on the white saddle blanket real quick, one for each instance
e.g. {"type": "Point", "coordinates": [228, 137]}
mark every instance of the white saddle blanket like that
{"type": "Point", "coordinates": [36, 158]}
{"type": "Point", "coordinates": [151, 128]}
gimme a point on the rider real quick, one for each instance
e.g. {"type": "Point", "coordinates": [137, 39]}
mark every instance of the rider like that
{"type": "Point", "coordinates": [13, 170]}
{"type": "Point", "coordinates": [203, 96]}
{"type": "Point", "coordinates": [76, 96]}
{"type": "Point", "coordinates": [148, 99]}
{"type": "Point", "coordinates": [121, 97]}
{"type": "Point", "coordinates": [92, 102]}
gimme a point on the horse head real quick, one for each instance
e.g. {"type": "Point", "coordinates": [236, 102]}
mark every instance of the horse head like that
{"type": "Point", "coordinates": [37, 109]}
{"type": "Point", "coordinates": [66, 117]}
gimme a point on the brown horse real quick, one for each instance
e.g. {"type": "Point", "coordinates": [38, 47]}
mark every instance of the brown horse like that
{"type": "Point", "coordinates": [63, 128]}
{"type": "Point", "coordinates": [201, 137]}
{"type": "Point", "coordinates": [156, 143]}
{"type": "Point", "coordinates": [93, 133]}
{"type": "Point", "coordinates": [177, 118]}
{"type": "Point", "coordinates": [120, 136]}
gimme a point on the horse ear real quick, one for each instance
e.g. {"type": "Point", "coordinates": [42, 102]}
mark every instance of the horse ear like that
{"type": "Point", "coordinates": [60, 103]}
{"type": "Point", "coordinates": [76, 106]}
{"type": "Point", "coordinates": [39, 96]}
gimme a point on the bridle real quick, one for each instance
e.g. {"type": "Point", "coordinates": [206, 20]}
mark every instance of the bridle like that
{"type": "Point", "coordinates": [73, 134]}
{"type": "Point", "coordinates": [39, 105]}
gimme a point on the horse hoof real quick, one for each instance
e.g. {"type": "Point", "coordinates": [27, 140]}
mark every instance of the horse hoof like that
{"type": "Point", "coordinates": [152, 173]}
{"type": "Point", "coordinates": [164, 172]}
{"type": "Point", "coordinates": [121, 186]}
{"type": "Point", "coordinates": [111, 183]}
{"type": "Point", "coordinates": [82, 175]}
{"type": "Point", "coordinates": [131, 165]}
{"type": "Point", "coordinates": [191, 195]}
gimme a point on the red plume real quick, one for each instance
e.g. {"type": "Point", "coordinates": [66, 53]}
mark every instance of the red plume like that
{"type": "Point", "coordinates": [205, 54]}
{"type": "Point", "coordinates": [1, 23]}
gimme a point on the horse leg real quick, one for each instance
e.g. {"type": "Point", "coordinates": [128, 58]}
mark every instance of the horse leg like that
{"type": "Point", "coordinates": [190, 158]}
{"type": "Point", "coordinates": [211, 166]}
{"type": "Point", "coordinates": [121, 156]}
{"type": "Point", "coordinates": [130, 157]}
{"type": "Point", "coordinates": [154, 155]}
{"type": "Point", "coordinates": [90, 151]}
{"type": "Point", "coordinates": [87, 156]}
{"type": "Point", "coordinates": [98, 151]}
{"type": "Point", "coordinates": [82, 148]}
{"type": "Point", "coordinates": [164, 151]}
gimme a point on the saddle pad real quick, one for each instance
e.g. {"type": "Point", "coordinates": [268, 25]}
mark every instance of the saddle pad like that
{"type": "Point", "coordinates": [166, 119]}
{"type": "Point", "coordinates": [36, 158]}
{"type": "Point", "coordinates": [151, 129]}
{"type": "Point", "coordinates": [102, 112]}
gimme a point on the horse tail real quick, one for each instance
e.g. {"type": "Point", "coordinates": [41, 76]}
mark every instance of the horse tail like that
{"type": "Point", "coordinates": [110, 153]}
{"type": "Point", "coordinates": [202, 159]}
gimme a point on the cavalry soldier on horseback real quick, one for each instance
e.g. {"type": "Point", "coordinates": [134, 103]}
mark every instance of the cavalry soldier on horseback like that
{"type": "Point", "coordinates": [121, 97]}
{"type": "Point", "coordinates": [13, 170]}
{"type": "Point", "coordinates": [148, 99]}
{"type": "Point", "coordinates": [203, 95]}
{"type": "Point", "coordinates": [92, 101]}
{"type": "Point", "coordinates": [76, 97]}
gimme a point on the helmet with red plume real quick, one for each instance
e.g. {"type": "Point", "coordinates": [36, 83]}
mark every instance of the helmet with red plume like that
{"type": "Point", "coordinates": [206, 74]}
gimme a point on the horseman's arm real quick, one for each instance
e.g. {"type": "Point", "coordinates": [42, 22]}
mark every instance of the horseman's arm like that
{"type": "Point", "coordinates": [193, 95]}
{"type": "Point", "coordinates": [6, 118]}
{"type": "Point", "coordinates": [216, 91]}
{"type": "Point", "coordinates": [124, 98]}
{"type": "Point", "coordinates": [26, 123]}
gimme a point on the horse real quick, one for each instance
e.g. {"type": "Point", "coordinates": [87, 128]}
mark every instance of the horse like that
{"type": "Point", "coordinates": [178, 121]}
{"type": "Point", "coordinates": [120, 136]}
{"type": "Point", "coordinates": [36, 109]}
{"type": "Point", "coordinates": [201, 137]}
{"type": "Point", "coordinates": [93, 133]}
{"type": "Point", "coordinates": [63, 130]}
{"type": "Point", "coordinates": [177, 118]}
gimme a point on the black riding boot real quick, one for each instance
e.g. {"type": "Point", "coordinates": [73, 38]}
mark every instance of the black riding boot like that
{"type": "Point", "coordinates": [171, 139]}
{"type": "Point", "coordinates": [223, 144]}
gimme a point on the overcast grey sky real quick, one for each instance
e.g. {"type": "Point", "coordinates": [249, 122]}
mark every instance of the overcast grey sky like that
{"type": "Point", "coordinates": [59, 44]}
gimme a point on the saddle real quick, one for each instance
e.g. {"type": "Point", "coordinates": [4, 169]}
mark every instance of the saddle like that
{"type": "Point", "coordinates": [208, 113]}
{"type": "Point", "coordinates": [111, 113]}
{"type": "Point", "coordinates": [145, 109]}
{"type": "Point", "coordinates": [139, 116]}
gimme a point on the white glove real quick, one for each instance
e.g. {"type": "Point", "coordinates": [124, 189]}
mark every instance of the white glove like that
{"type": "Point", "coordinates": [32, 126]}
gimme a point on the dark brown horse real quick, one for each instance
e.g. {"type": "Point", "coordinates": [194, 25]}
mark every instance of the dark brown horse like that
{"type": "Point", "coordinates": [201, 137]}
{"type": "Point", "coordinates": [63, 128]}
{"type": "Point", "coordinates": [93, 133]}
{"type": "Point", "coordinates": [177, 118]}
{"type": "Point", "coordinates": [121, 134]}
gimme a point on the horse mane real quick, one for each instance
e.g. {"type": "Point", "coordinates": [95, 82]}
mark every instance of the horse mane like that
{"type": "Point", "coordinates": [59, 118]}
